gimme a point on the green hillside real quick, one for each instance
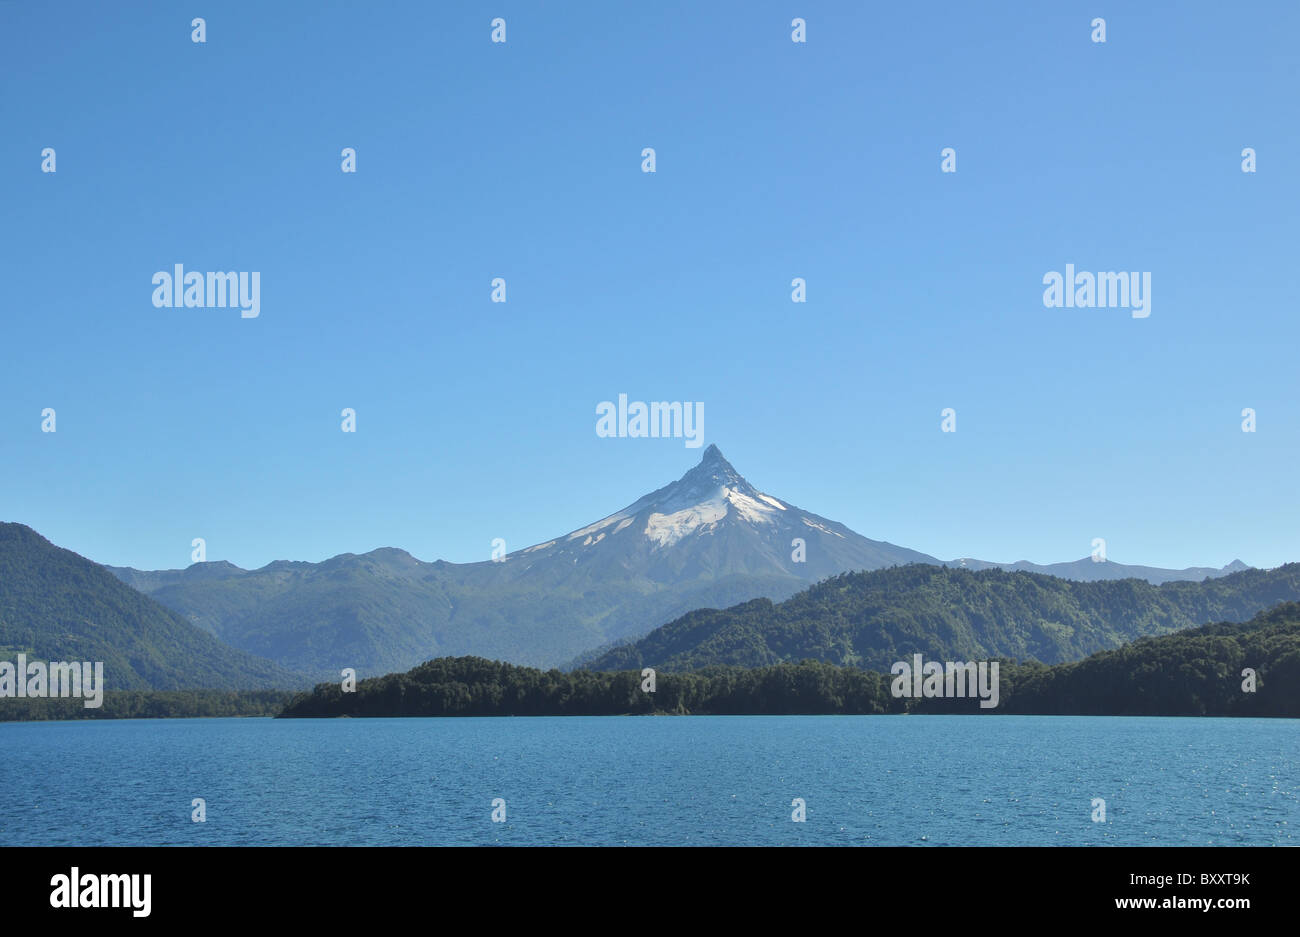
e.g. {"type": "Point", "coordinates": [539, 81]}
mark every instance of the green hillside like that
{"type": "Point", "coordinates": [872, 619]}
{"type": "Point", "coordinates": [1197, 672]}
{"type": "Point", "coordinates": [58, 606]}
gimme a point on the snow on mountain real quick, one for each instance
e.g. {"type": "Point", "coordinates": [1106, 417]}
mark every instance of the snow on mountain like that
{"type": "Point", "coordinates": [711, 522]}
{"type": "Point", "coordinates": [704, 496]}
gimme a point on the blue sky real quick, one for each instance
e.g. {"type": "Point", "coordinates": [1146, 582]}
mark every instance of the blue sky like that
{"type": "Point", "coordinates": [775, 160]}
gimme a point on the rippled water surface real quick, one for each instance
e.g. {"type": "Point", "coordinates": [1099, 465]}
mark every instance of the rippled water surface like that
{"type": "Point", "coordinates": [888, 780]}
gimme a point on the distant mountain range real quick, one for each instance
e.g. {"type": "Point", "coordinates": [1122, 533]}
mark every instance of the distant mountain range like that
{"type": "Point", "coordinates": [873, 619]}
{"type": "Point", "coordinates": [708, 540]}
{"type": "Point", "coordinates": [58, 606]}
{"type": "Point", "coordinates": [1090, 570]}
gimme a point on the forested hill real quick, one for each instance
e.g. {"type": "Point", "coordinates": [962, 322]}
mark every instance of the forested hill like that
{"type": "Point", "coordinates": [1198, 672]}
{"type": "Point", "coordinates": [871, 619]}
{"type": "Point", "coordinates": [58, 606]}
{"type": "Point", "coordinates": [1192, 673]}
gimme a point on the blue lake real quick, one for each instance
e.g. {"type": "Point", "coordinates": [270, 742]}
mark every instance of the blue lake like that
{"type": "Point", "coordinates": [699, 780]}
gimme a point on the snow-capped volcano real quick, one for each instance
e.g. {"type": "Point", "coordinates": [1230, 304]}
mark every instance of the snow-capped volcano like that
{"type": "Point", "coordinates": [711, 522]}
{"type": "Point", "coordinates": [700, 499]}
{"type": "Point", "coordinates": [693, 504]}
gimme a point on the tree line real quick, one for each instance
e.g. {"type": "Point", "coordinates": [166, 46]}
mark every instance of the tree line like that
{"type": "Point", "coordinates": [1228, 669]}
{"type": "Point", "coordinates": [150, 704]}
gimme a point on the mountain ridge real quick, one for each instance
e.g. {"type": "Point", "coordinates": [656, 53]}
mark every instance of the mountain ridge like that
{"type": "Point", "coordinates": [709, 539]}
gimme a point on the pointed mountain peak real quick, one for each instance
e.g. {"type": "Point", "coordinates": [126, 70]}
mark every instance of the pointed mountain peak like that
{"type": "Point", "coordinates": [708, 486]}
{"type": "Point", "coordinates": [713, 472]}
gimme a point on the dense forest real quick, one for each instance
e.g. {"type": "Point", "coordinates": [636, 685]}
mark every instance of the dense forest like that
{"type": "Point", "coordinates": [872, 619]}
{"type": "Point", "coordinates": [150, 704]}
{"type": "Point", "coordinates": [472, 686]}
{"type": "Point", "coordinates": [1196, 672]}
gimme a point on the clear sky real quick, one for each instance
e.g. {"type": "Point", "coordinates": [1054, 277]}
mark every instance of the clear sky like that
{"type": "Point", "coordinates": [774, 160]}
